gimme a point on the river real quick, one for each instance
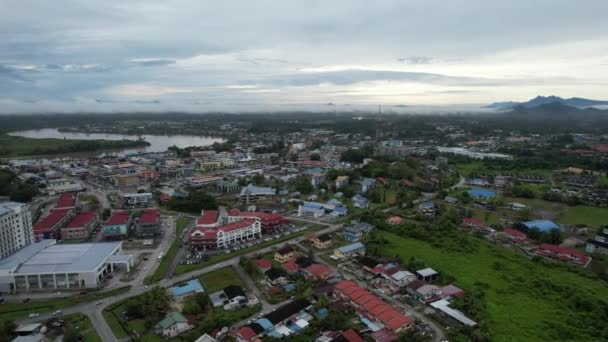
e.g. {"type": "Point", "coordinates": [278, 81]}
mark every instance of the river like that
{"type": "Point", "coordinates": [158, 143]}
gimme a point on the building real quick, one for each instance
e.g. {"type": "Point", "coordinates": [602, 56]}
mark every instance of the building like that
{"type": "Point", "coordinates": [351, 250]}
{"type": "Point", "coordinates": [149, 175]}
{"type": "Point", "coordinates": [394, 220]}
{"type": "Point", "coordinates": [360, 201]}
{"type": "Point", "coordinates": [263, 264]}
{"type": "Point", "coordinates": [143, 199]}
{"type": "Point", "coordinates": [341, 181]}
{"type": "Point", "coordinates": [117, 226]}
{"type": "Point", "coordinates": [81, 226]}
{"type": "Point", "coordinates": [367, 184]}
{"type": "Point", "coordinates": [148, 224]}
{"type": "Point", "coordinates": [66, 201]}
{"type": "Point", "coordinates": [481, 194]}
{"type": "Point", "coordinates": [15, 227]}
{"type": "Point", "coordinates": [49, 227]}
{"type": "Point", "coordinates": [371, 307]}
{"type": "Point", "coordinates": [562, 253]}
{"type": "Point", "coordinates": [542, 225]}
{"type": "Point", "coordinates": [311, 209]}
{"type": "Point", "coordinates": [516, 236]}
{"type": "Point", "coordinates": [202, 181]}
{"type": "Point", "coordinates": [172, 325]}
{"type": "Point", "coordinates": [355, 231]}
{"type": "Point", "coordinates": [318, 272]}
{"type": "Point", "coordinates": [46, 265]}
{"type": "Point", "coordinates": [321, 241]}
{"type": "Point", "coordinates": [61, 185]}
{"type": "Point", "coordinates": [251, 194]}
{"type": "Point", "coordinates": [231, 297]}
{"type": "Point", "coordinates": [126, 180]}
{"type": "Point", "coordinates": [182, 291]}
{"type": "Point", "coordinates": [443, 305]}
{"type": "Point", "coordinates": [599, 244]}
{"type": "Point", "coordinates": [284, 254]}
{"type": "Point", "coordinates": [427, 274]}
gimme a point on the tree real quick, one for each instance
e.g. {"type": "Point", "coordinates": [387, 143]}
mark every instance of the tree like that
{"type": "Point", "coordinates": [194, 202]}
{"type": "Point", "coordinates": [258, 179]}
{"type": "Point", "coordinates": [70, 334]}
{"type": "Point", "coordinates": [7, 329]}
{"type": "Point", "coordinates": [315, 156]}
{"type": "Point", "coordinates": [303, 185]}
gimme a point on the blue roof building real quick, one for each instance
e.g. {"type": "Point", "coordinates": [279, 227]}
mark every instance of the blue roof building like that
{"type": "Point", "coordinates": [542, 225]}
{"type": "Point", "coordinates": [264, 323]}
{"type": "Point", "coordinates": [352, 249]}
{"type": "Point", "coordinates": [188, 288]}
{"type": "Point", "coordinates": [482, 194]}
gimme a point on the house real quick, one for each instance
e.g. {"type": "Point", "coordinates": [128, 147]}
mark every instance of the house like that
{"type": "Point", "coordinates": [427, 292]}
{"type": "Point", "coordinates": [148, 225]}
{"type": "Point", "coordinates": [318, 272]}
{"type": "Point", "coordinates": [401, 278]}
{"type": "Point", "coordinates": [341, 181]}
{"type": "Point", "coordinates": [473, 223]}
{"type": "Point", "coordinates": [184, 290]}
{"type": "Point", "coordinates": [367, 184]}
{"type": "Point", "coordinates": [117, 226]}
{"type": "Point", "coordinates": [355, 232]}
{"type": "Point", "coordinates": [427, 274]}
{"type": "Point", "coordinates": [245, 334]}
{"type": "Point", "coordinates": [351, 250]}
{"type": "Point", "coordinates": [285, 254]}
{"type": "Point", "coordinates": [173, 325]}
{"type": "Point", "coordinates": [451, 200]}
{"type": "Point", "coordinates": [516, 236]}
{"type": "Point", "coordinates": [394, 220]}
{"type": "Point", "coordinates": [599, 244]}
{"type": "Point", "coordinates": [443, 306]}
{"type": "Point", "coordinates": [321, 241]}
{"type": "Point", "coordinates": [276, 277]}
{"type": "Point", "coordinates": [360, 201]}
{"type": "Point", "coordinates": [290, 266]}
{"type": "Point", "coordinates": [231, 297]}
{"type": "Point", "coordinates": [481, 194]}
{"type": "Point", "coordinates": [263, 264]}
{"type": "Point", "coordinates": [427, 208]}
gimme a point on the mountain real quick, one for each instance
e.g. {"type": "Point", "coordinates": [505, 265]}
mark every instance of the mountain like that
{"type": "Point", "coordinates": [576, 102]}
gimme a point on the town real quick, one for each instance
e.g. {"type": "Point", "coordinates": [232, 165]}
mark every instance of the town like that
{"type": "Point", "coordinates": [351, 231]}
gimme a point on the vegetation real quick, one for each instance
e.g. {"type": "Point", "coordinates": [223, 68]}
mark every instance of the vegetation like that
{"type": "Point", "coordinates": [78, 327]}
{"type": "Point", "coordinates": [219, 279]}
{"type": "Point", "coordinates": [194, 202]}
{"type": "Point", "coordinates": [11, 146]}
{"type": "Point", "coordinates": [15, 189]}
{"type": "Point", "coordinates": [7, 328]}
{"type": "Point", "coordinates": [526, 300]}
{"type": "Point", "coordinates": [18, 310]}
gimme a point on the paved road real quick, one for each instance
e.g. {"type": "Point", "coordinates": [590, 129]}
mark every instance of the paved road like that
{"type": "Point", "coordinates": [182, 247]}
{"type": "Point", "coordinates": [95, 311]}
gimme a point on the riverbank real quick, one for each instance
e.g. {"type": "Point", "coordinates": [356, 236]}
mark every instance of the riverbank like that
{"type": "Point", "coordinates": [13, 146]}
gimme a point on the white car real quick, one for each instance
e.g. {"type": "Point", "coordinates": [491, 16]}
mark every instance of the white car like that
{"type": "Point", "coordinates": [34, 315]}
{"type": "Point", "coordinates": [57, 313]}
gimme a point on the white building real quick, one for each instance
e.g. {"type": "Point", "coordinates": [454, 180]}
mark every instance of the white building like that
{"type": "Point", "coordinates": [61, 185]}
{"type": "Point", "coordinates": [16, 229]}
{"type": "Point", "coordinates": [219, 229]}
{"type": "Point", "coordinates": [46, 265]}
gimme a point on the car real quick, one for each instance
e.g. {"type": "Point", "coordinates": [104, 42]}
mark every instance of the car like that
{"type": "Point", "coordinates": [56, 324]}
{"type": "Point", "coordinates": [34, 315]}
{"type": "Point", "coordinates": [99, 303]}
{"type": "Point", "coordinates": [57, 313]}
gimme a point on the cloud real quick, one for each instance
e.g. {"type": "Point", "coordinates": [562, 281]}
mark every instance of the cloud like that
{"type": "Point", "coordinates": [152, 61]}
{"type": "Point", "coordinates": [415, 60]}
{"type": "Point", "coordinates": [145, 90]}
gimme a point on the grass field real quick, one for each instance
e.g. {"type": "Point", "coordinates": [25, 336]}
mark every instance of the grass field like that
{"type": "Point", "coordinates": [114, 324]}
{"type": "Point", "coordinates": [180, 225]}
{"type": "Point", "coordinates": [11, 146]}
{"type": "Point", "coordinates": [526, 300]}
{"type": "Point", "coordinates": [581, 214]}
{"type": "Point", "coordinates": [217, 280]}
{"type": "Point", "coordinates": [18, 310]}
{"type": "Point", "coordinates": [83, 325]}
{"type": "Point", "coordinates": [221, 257]}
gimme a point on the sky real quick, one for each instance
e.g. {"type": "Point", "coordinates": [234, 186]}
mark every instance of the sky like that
{"type": "Point", "coordinates": [239, 56]}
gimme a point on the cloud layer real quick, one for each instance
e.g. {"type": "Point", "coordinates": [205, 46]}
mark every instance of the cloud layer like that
{"type": "Point", "coordinates": [267, 55]}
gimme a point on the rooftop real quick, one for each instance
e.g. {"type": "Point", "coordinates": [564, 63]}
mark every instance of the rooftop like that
{"type": "Point", "coordinates": [48, 257]}
{"type": "Point", "coordinates": [191, 286]}
{"type": "Point", "coordinates": [119, 217]}
{"type": "Point", "coordinates": [82, 219]}
{"type": "Point", "coordinates": [8, 207]}
{"type": "Point", "coordinates": [542, 225]}
{"type": "Point", "coordinates": [150, 216]}
{"type": "Point", "coordinates": [66, 200]}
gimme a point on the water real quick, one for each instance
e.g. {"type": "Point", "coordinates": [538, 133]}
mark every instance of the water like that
{"type": "Point", "coordinates": [158, 143]}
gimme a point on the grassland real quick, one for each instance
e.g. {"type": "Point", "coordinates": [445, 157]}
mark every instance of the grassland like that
{"type": "Point", "coordinates": [217, 280]}
{"type": "Point", "coordinates": [83, 325]}
{"type": "Point", "coordinates": [221, 257]}
{"type": "Point", "coordinates": [565, 214]}
{"type": "Point", "coordinates": [181, 224]}
{"type": "Point", "coordinates": [19, 310]}
{"type": "Point", "coordinates": [11, 146]}
{"type": "Point", "coordinates": [526, 300]}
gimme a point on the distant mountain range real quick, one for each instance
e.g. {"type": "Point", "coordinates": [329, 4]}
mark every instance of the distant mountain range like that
{"type": "Point", "coordinates": [575, 102]}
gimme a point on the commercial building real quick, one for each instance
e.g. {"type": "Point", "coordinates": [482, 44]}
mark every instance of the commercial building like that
{"type": "Point", "coordinates": [81, 226]}
{"type": "Point", "coordinates": [599, 244]}
{"type": "Point", "coordinates": [148, 224]}
{"type": "Point", "coordinates": [311, 209]}
{"type": "Point", "coordinates": [117, 226]}
{"type": "Point", "coordinates": [251, 194]}
{"type": "Point", "coordinates": [46, 265]}
{"type": "Point", "coordinates": [61, 185]}
{"type": "Point", "coordinates": [67, 200]}
{"type": "Point", "coordinates": [142, 199]}
{"type": "Point", "coordinates": [126, 180]}
{"type": "Point", "coordinates": [16, 229]}
{"type": "Point", "coordinates": [49, 227]}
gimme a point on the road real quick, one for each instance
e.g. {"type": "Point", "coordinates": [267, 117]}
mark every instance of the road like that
{"type": "Point", "coordinates": [95, 311]}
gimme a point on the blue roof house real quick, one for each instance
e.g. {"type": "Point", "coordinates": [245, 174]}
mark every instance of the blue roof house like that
{"type": "Point", "coordinates": [482, 194]}
{"type": "Point", "coordinates": [183, 290]}
{"type": "Point", "coordinates": [542, 225]}
{"type": "Point", "coordinates": [356, 248]}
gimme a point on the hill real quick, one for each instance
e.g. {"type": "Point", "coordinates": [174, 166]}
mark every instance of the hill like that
{"type": "Point", "coordinates": [575, 102]}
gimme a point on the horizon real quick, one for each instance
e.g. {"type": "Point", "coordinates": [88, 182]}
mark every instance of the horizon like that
{"type": "Point", "coordinates": [241, 57]}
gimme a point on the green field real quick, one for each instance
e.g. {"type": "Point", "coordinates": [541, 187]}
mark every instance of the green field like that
{"type": "Point", "coordinates": [217, 280]}
{"type": "Point", "coordinates": [11, 146]}
{"type": "Point", "coordinates": [582, 214]}
{"type": "Point", "coordinates": [181, 224]}
{"type": "Point", "coordinates": [221, 257]}
{"type": "Point", "coordinates": [526, 300]}
{"type": "Point", "coordinates": [114, 324]}
{"type": "Point", "coordinates": [83, 325]}
{"type": "Point", "coordinates": [18, 310]}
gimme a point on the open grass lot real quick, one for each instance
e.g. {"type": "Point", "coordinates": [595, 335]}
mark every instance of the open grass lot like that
{"type": "Point", "coordinates": [83, 325]}
{"type": "Point", "coordinates": [11, 146]}
{"type": "Point", "coordinates": [582, 214]}
{"type": "Point", "coordinates": [114, 324]}
{"type": "Point", "coordinates": [180, 225]}
{"type": "Point", "coordinates": [221, 257]}
{"type": "Point", "coordinates": [18, 310]}
{"type": "Point", "coordinates": [526, 300]}
{"type": "Point", "coordinates": [217, 280]}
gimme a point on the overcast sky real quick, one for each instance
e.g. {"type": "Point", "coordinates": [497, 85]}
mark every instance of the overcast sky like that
{"type": "Point", "coordinates": [284, 55]}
